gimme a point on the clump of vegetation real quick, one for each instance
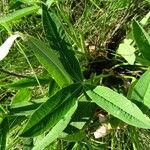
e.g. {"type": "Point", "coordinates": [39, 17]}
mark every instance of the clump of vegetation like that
{"type": "Point", "coordinates": [74, 74]}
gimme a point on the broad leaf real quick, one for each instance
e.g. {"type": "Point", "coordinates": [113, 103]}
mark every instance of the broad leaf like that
{"type": "Point", "coordinates": [58, 41]}
{"type": "Point", "coordinates": [119, 106]}
{"type": "Point", "coordinates": [141, 91]}
{"type": "Point", "coordinates": [142, 39]}
{"type": "Point", "coordinates": [23, 95]}
{"type": "Point", "coordinates": [4, 128]}
{"type": "Point", "coordinates": [126, 50]}
{"type": "Point", "coordinates": [18, 14]}
{"type": "Point", "coordinates": [57, 129]}
{"type": "Point", "coordinates": [50, 112]}
{"type": "Point", "coordinates": [50, 60]}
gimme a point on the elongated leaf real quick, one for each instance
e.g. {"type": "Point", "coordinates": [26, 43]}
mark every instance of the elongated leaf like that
{"type": "Point", "coordinates": [76, 137]}
{"type": "Point", "coordinates": [50, 2]}
{"type": "Point", "coordinates": [15, 121]}
{"type": "Point", "coordinates": [23, 95]}
{"type": "Point", "coordinates": [18, 14]}
{"type": "Point", "coordinates": [26, 108]}
{"type": "Point", "coordinates": [4, 127]}
{"type": "Point", "coordinates": [119, 106]}
{"type": "Point", "coordinates": [23, 83]}
{"type": "Point", "coordinates": [142, 39]}
{"type": "Point", "coordinates": [58, 41]}
{"type": "Point", "coordinates": [57, 129]}
{"type": "Point", "coordinates": [2, 113]}
{"type": "Point", "coordinates": [49, 59]}
{"type": "Point", "coordinates": [141, 91]}
{"type": "Point", "coordinates": [50, 112]}
{"type": "Point", "coordinates": [53, 88]}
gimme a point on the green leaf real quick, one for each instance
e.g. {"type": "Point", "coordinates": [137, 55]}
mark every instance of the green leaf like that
{"type": "Point", "coordinates": [50, 112]}
{"type": "Point", "coordinates": [29, 2]}
{"type": "Point", "coordinates": [23, 83]}
{"type": "Point", "coordinates": [145, 19]}
{"type": "Point", "coordinates": [142, 39]}
{"type": "Point", "coordinates": [50, 60]}
{"type": "Point", "coordinates": [55, 33]}
{"type": "Point", "coordinates": [23, 95]}
{"type": "Point", "coordinates": [119, 106]}
{"type": "Point", "coordinates": [4, 127]}
{"type": "Point", "coordinates": [141, 91]}
{"type": "Point", "coordinates": [126, 50]}
{"type": "Point", "coordinates": [2, 113]}
{"type": "Point", "coordinates": [143, 61]}
{"type": "Point", "coordinates": [53, 88]}
{"type": "Point", "coordinates": [26, 108]}
{"type": "Point", "coordinates": [76, 137]}
{"type": "Point", "coordinates": [82, 116]}
{"type": "Point", "coordinates": [18, 14]}
{"type": "Point", "coordinates": [56, 131]}
{"type": "Point", "coordinates": [50, 2]}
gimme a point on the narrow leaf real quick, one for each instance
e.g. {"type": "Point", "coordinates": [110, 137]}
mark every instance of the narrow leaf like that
{"type": "Point", "coordinates": [142, 39]}
{"type": "Point", "coordinates": [23, 95]}
{"type": "Point", "coordinates": [26, 108]}
{"type": "Point", "coordinates": [18, 14]}
{"type": "Point", "coordinates": [50, 60]}
{"type": "Point", "coordinates": [141, 91]}
{"type": "Point", "coordinates": [55, 33]}
{"type": "Point", "coordinates": [50, 112]}
{"type": "Point", "coordinates": [57, 129]}
{"type": "Point", "coordinates": [4, 127]}
{"type": "Point", "coordinates": [119, 106]}
{"type": "Point", "coordinates": [23, 83]}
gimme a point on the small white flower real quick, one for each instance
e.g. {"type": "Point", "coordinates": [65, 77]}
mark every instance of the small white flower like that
{"type": "Point", "coordinates": [5, 47]}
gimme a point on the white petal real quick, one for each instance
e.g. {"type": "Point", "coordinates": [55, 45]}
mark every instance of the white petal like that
{"type": "Point", "coordinates": [5, 47]}
{"type": "Point", "coordinates": [101, 132]}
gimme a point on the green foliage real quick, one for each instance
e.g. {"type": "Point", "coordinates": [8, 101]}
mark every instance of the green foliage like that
{"type": "Point", "coordinates": [142, 39]}
{"type": "Point", "coordinates": [72, 106]}
{"type": "Point", "coordinates": [119, 106]}
{"type": "Point", "coordinates": [4, 129]}
{"type": "Point", "coordinates": [141, 91]}
{"type": "Point", "coordinates": [50, 60]}
{"type": "Point", "coordinates": [23, 83]}
{"type": "Point", "coordinates": [24, 95]}
{"type": "Point", "coordinates": [13, 17]}
{"type": "Point", "coordinates": [54, 31]}
{"type": "Point", "coordinates": [56, 131]}
{"type": "Point", "coordinates": [50, 112]}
